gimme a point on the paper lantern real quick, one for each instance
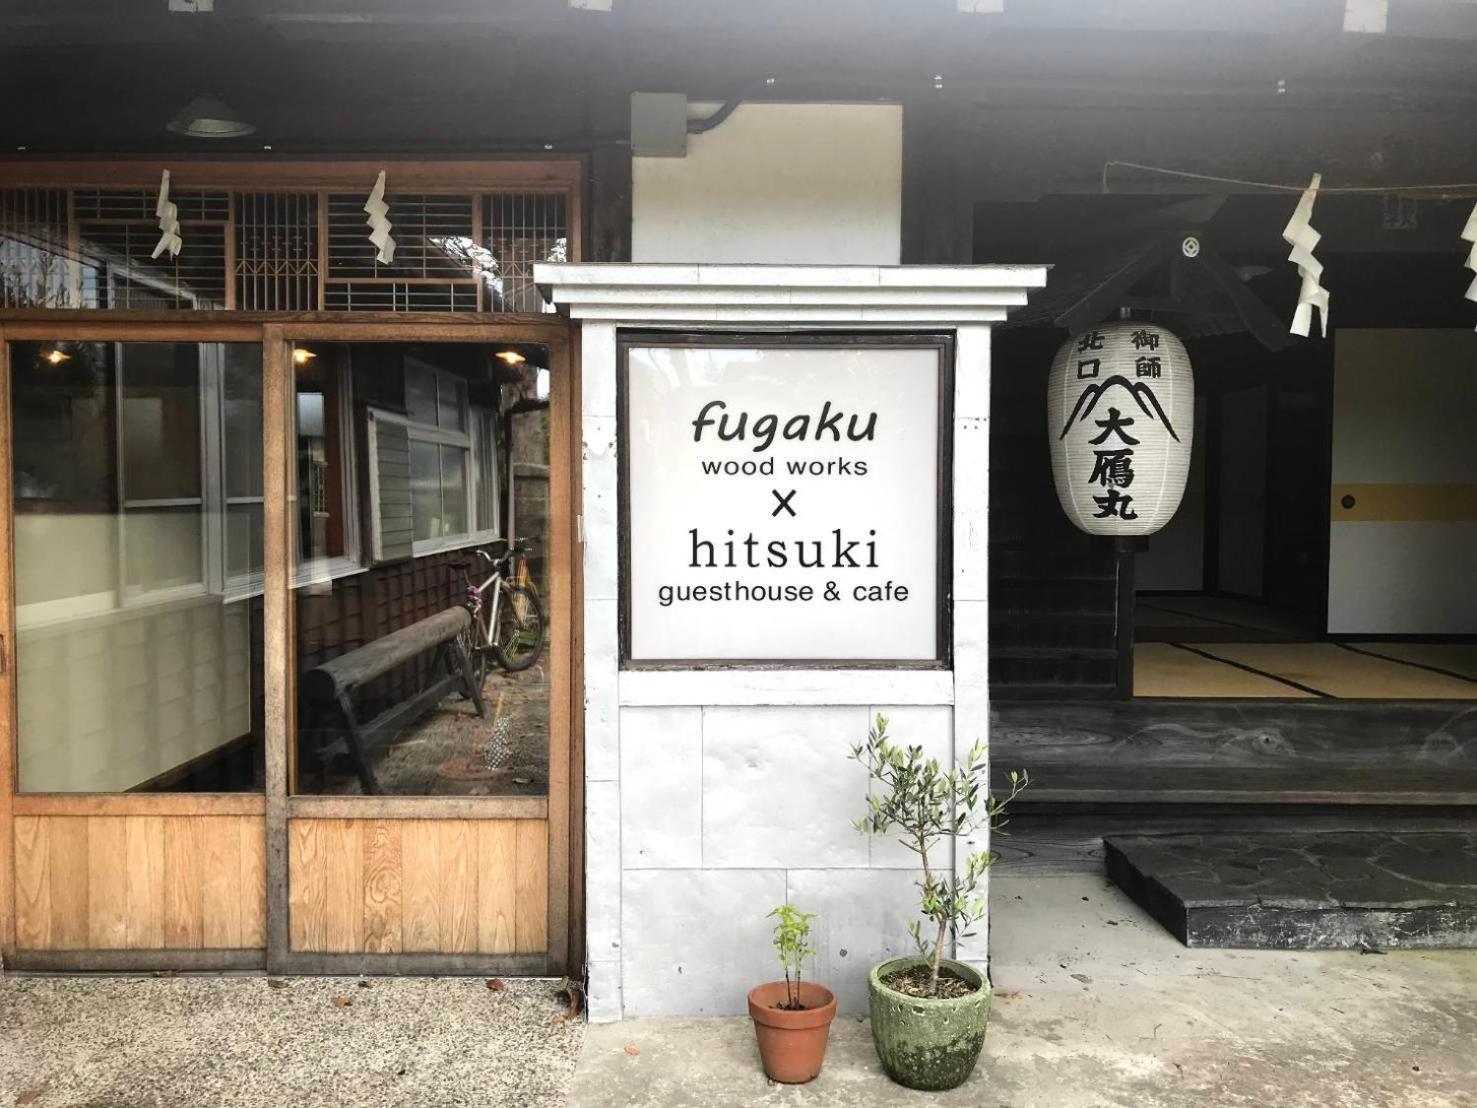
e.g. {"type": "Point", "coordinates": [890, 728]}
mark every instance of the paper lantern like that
{"type": "Point", "coordinates": [1121, 419]}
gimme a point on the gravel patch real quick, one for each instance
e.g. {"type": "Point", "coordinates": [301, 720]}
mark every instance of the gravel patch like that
{"type": "Point", "coordinates": [219, 1042]}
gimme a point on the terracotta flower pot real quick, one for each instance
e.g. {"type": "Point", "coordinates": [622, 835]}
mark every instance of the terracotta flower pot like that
{"type": "Point", "coordinates": [792, 1045]}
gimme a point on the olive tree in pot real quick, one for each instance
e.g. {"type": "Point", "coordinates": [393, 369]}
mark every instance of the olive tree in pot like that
{"type": "Point", "coordinates": [792, 1018]}
{"type": "Point", "coordinates": [929, 1012]}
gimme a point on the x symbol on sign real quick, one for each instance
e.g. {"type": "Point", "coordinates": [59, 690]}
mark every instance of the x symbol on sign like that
{"type": "Point", "coordinates": [784, 502]}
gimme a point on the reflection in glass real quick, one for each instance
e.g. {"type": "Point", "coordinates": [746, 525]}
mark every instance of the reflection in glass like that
{"type": "Point", "coordinates": [161, 402]}
{"type": "Point", "coordinates": [139, 631]}
{"type": "Point", "coordinates": [425, 489]}
{"type": "Point", "coordinates": [420, 393]}
{"type": "Point", "coordinates": [383, 703]}
{"type": "Point", "coordinates": [453, 490]}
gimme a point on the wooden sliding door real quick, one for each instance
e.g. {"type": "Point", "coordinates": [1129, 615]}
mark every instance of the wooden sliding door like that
{"type": "Point", "coordinates": [244, 722]}
{"type": "Point", "coordinates": [132, 801]}
{"type": "Point", "coordinates": [425, 829]}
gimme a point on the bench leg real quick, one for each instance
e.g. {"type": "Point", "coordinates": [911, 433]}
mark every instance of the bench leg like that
{"type": "Point", "coordinates": [355, 739]}
{"type": "Point", "coordinates": [460, 663]}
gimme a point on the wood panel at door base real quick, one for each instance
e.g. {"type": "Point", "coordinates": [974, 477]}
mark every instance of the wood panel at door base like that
{"type": "Point", "coordinates": [438, 888]}
{"type": "Point", "coordinates": [91, 884]}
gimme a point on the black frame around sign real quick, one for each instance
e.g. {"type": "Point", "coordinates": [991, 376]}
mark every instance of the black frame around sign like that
{"type": "Point", "coordinates": [940, 341]}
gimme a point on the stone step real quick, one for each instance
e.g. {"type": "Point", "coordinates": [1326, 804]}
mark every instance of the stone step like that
{"type": "Point", "coordinates": [1340, 890]}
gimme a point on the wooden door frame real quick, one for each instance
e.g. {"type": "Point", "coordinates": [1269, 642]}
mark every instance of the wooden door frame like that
{"type": "Point", "coordinates": [560, 807]}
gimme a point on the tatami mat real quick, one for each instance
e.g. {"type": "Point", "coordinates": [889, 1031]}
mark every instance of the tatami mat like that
{"type": "Point", "coordinates": [1167, 669]}
{"type": "Point", "coordinates": [1337, 672]}
{"type": "Point", "coordinates": [1452, 657]}
{"type": "Point", "coordinates": [1161, 669]}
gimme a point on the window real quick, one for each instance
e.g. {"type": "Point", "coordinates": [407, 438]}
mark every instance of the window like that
{"type": "Point", "coordinates": [327, 518]}
{"type": "Point", "coordinates": [445, 451]}
{"type": "Point", "coordinates": [162, 404]}
{"type": "Point", "coordinates": [241, 463]}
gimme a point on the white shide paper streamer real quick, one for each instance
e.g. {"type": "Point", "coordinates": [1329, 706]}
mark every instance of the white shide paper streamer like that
{"type": "Point", "coordinates": [379, 221]}
{"type": "Point", "coordinates": [168, 213]}
{"type": "Point", "coordinates": [1299, 234]}
{"type": "Point", "coordinates": [1469, 234]}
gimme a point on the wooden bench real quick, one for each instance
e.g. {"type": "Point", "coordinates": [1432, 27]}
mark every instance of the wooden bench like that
{"type": "Point", "coordinates": [330, 687]}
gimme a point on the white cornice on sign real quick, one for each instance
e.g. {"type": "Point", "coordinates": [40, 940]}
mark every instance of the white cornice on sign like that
{"type": "Point", "coordinates": [871, 296]}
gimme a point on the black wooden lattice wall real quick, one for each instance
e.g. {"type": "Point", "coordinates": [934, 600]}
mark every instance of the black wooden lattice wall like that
{"type": "Point", "coordinates": [1053, 612]}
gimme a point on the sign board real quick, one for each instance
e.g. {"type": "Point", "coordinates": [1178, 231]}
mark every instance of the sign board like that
{"type": "Point", "coordinates": [781, 499]}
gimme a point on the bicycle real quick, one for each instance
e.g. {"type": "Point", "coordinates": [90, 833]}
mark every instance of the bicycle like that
{"type": "Point", "coordinates": [509, 627]}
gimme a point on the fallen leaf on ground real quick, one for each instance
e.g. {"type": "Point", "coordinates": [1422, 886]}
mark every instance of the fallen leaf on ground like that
{"type": "Point", "coordinates": [633, 1051]}
{"type": "Point", "coordinates": [497, 984]}
{"type": "Point", "coordinates": [341, 1002]}
{"type": "Point", "coordinates": [276, 983]}
{"type": "Point", "coordinates": [30, 1096]}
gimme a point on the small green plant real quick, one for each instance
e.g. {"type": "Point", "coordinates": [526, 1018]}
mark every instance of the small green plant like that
{"type": "Point", "coordinates": [792, 944]}
{"type": "Point", "coordinates": [926, 806]}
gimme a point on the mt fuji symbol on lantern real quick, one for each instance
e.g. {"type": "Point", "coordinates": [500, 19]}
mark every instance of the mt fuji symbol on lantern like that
{"type": "Point", "coordinates": [1120, 408]}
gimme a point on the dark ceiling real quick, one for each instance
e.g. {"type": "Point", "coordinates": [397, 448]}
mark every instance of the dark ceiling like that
{"type": "Point", "coordinates": [452, 75]}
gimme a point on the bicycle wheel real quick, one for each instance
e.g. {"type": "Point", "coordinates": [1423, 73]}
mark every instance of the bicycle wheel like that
{"type": "Point", "coordinates": [520, 629]}
{"type": "Point", "coordinates": [472, 642]}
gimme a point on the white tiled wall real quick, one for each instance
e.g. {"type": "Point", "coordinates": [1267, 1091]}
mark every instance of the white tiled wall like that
{"type": "Point", "coordinates": [713, 797]}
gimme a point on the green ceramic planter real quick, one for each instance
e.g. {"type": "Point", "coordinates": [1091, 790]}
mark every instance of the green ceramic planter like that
{"type": "Point", "coordinates": [928, 1044]}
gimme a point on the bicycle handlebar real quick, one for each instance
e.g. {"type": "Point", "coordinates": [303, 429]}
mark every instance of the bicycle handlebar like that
{"type": "Point", "coordinates": [518, 546]}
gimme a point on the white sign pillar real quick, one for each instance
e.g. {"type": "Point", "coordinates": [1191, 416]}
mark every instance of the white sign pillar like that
{"type": "Point", "coordinates": [717, 779]}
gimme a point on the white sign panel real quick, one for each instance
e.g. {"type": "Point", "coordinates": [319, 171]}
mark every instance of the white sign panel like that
{"type": "Point", "coordinates": [783, 502]}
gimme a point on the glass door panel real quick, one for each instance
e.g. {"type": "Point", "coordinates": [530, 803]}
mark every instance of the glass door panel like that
{"type": "Point", "coordinates": [453, 447]}
{"type": "Point", "coordinates": [138, 619]}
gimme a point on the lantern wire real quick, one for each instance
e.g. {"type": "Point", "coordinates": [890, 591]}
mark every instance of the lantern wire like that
{"type": "Point", "coordinates": [1464, 188]}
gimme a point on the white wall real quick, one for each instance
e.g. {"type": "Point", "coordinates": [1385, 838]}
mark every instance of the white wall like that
{"type": "Point", "coordinates": [777, 183]}
{"type": "Point", "coordinates": [712, 797]}
{"type": "Point", "coordinates": [1405, 439]}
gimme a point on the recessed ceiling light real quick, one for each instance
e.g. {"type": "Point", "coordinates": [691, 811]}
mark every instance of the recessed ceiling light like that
{"type": "Point", "coordinates": [512, 357]}
{"type": "Point", "coordinates": [301, 355]}
{"type": "Point", "coordinates": [205, 117]}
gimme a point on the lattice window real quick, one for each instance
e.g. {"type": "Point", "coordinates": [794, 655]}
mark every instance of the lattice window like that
{"type": "Point", "coordinates": [276, 237]}
{"type": "Point", "coordinates": [278, 251]}
{"type": "Point", "coordinates": [522, 228]}
{"type": "Point", "coordinates": [116, 233]}
{"type": "Point", "coordinates": [34, 269]}
{"type": "Point", "coordinates": [433, 268]}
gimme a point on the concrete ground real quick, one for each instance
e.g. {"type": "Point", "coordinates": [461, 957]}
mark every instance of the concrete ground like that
{"type": "Point", "coordinates": [222, 1042]}
{"type": "Point", "coordinates": [1096, 1005]}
